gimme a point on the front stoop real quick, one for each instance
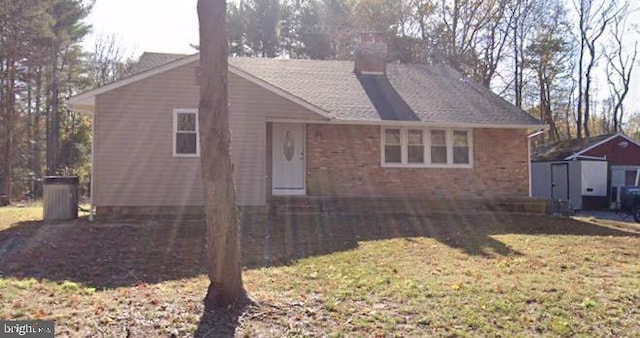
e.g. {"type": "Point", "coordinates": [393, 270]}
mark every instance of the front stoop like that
{"type": "Point", "coordinates": [297, 205]}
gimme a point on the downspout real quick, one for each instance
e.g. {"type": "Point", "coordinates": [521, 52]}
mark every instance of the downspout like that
{"type": "Point", "coordinates": [529, 137]}
{"type": "Point", "coordinates": [93, 153]}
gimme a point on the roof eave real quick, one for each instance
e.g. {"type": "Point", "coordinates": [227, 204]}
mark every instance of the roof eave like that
{"type": "Point", "coordinates": [579, 153]}
{"type": "Point", "coordinates": [85, 106]}
{"type": "Point", "coordinates": [440, 124]}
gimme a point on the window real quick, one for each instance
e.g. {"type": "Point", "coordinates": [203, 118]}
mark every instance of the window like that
{"type": "Point", "coordinates": [186, 140]}
{"type": "Point", "coordinates": [460, 147]}
{"type": "Point", "coordinates": [630, 177]}
{"type": "Point", "coordinates": [438, 147]}
{"type": "Point", "coordinates": [392, 146]}
{"type": "Point", "coordinates": [415, 147]}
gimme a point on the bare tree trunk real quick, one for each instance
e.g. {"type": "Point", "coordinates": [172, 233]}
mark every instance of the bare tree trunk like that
{"type": "Point", "coordinates": [580, 93]}
{"type": "Point", "coordinates": [223, 235]}
{"type": "Point", "coordinates": [568, 109]}
{"type": "Point", "coordinates": [518, 78]}
{"type": "Point", "coordinates": [10, 118]}
{"type": "Point", "coordinates": [594, 17]}
{"type": "Point", "coordinates": [587, 103]}
{"type": "Point", "coordinates": [31, 136]}
{"type": "Point", "coordinates": [37, 145]}
{"type": "Point", "coordinates": [620, 67]}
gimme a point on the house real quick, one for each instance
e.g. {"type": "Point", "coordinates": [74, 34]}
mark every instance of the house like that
{"type": "Point", "coordinates": [339, 129]}
{"type": "Point", "coordinates": [588, 172]}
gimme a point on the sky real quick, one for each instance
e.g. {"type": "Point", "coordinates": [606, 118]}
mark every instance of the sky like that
{"type": "Point", "coordinates": [166, 26]}
{"type": "Point", "coordinates": [170, 26]}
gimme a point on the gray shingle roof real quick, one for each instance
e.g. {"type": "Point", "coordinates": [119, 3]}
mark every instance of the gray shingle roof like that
{"type": "Point", "coordinates": [149, 60]}
{"type": "Point", "coordinates": [435, 94]}
{"type": "Point", "coordinates": [431, 94]}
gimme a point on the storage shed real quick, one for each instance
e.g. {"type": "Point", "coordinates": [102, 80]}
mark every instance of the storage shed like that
{"type": "Point", "coordinates": [583, 183]}
{"type": "Point", "coordinates": [588, 172]}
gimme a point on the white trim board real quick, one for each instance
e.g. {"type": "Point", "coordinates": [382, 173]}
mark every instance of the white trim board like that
{"type": "Point", "coordinates": [417, 124]}
{"type": "Point", "coordinates": [175, 131]}
{"type": "Point", "coordinates": [426, 145]}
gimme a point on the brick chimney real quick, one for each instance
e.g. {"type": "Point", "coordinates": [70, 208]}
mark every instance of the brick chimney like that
{"type": "Point", "coordinates": [370, 54]}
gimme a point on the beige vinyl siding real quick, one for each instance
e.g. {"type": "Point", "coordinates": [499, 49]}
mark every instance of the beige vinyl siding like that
{"type": "Point", "coordinates": [251, 107]}
{"type": "Point", "coordinates": [134, 163]}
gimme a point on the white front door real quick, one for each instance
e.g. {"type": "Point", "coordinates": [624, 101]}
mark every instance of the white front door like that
{"type": "Point", "coordinates": [288, 158]}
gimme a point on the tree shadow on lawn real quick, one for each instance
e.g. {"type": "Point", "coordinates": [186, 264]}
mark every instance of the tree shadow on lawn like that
{"type": "Point", "coordinates": [298, 236]}
{"type": "Point", "coordinates": [111, 254]}
{"type": "Point", "coordinates": [104, 254]}
{"type": "Point", "coordinates": [216, 322]}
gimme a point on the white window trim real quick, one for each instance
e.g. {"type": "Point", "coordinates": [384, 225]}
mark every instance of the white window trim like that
{"type": "Point", "coordinates": [426, 140]}
{"type": "Point", "coordinates": [175, 131]}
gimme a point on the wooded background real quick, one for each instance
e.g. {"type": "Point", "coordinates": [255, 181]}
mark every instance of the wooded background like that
{"type": "Point", "coordinates": [567, 62]}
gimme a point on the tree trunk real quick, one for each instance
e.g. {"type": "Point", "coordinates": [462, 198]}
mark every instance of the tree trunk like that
{"type": "Point", "coordinates": [223, 235]}
{"type": "Point", "coordinates": [587, 99]}
{"type": "Point", "coordinates": [580, 94]}
{"type": "Point", "coordinates": [10, 118]}
{"type": "Point", "coordinates": [53, 132]}
{"type": "Point", "coordinates": [37, 145]}
{"type": "Point", "coordinates": [516, 67]}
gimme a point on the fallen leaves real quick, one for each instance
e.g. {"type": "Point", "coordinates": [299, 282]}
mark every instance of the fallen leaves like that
{"type": "Point", "coordinates": [120, 279]}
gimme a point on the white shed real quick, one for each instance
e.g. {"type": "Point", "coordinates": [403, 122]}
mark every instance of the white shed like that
{"type": "Point", "coordinates": [583, 183]}
{"type": "Point", "coordinates": [587, 172]}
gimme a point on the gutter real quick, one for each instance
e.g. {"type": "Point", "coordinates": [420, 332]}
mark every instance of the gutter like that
{"type": "Point", "coordinates": [574, 157]}
{"type": "Point", "coordinates": [91, 185]}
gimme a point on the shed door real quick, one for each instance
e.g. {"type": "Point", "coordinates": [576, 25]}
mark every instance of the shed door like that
{"type": "Point", "coordinates": [288, 159]}
{"type": "Point", "coordinates": [560, 181]}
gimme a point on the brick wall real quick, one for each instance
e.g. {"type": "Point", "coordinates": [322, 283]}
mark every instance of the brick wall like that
{"type": "Point", "coordinates": [344, 160]}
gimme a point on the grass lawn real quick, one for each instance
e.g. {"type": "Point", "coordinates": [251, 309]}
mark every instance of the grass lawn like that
{"type": "Point", "coordinates": [11, 215]}
{"type": "Point", "coordinates": [444, 275]}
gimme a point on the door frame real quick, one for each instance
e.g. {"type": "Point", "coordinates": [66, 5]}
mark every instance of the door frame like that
{"type": "Point", "coordinates": [289, 192]}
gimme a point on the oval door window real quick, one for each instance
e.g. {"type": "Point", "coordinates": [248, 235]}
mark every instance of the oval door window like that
{"type": "Point", "coordinates": [288, 146]}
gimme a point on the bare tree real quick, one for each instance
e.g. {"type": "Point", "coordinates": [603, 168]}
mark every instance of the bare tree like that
{"type": "Point", "coordinates": [524, 13]}
{"type": "Point", "coordinates": [594, 16]}
{"type": "Point", "coordinates": [223, 237]}
{"type": "Point", "coordinates": [108, 61]}
{"type": "Point", "coordinates": [475, 35]}
{"type": "Point", "coordinates": [619, 69]}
